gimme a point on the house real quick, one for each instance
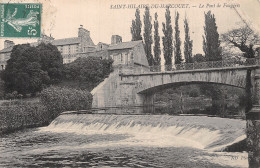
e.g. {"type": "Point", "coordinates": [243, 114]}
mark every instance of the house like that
{"type": "Point", "coordinates": [70, 48]}
{"type": "Point", "coordinates": [128, 53]}
{"type": "Point", "coordinates": [123, 53]}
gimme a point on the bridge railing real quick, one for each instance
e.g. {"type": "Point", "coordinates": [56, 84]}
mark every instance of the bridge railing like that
{"type": "Point", "coordinates": [203, 65]}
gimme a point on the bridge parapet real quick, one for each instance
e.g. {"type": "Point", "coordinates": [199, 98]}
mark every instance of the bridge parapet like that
{"type": "Point", "coordinates": [196, 66]}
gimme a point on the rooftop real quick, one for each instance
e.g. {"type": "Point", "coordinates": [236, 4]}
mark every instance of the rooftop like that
{"type": "Point", "coordinates": [65, 41]}
{"type": "Point", "coordinates": [124, 45]}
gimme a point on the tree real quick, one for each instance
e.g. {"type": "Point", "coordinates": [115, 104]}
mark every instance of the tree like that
{"type": "Point", "coordinates": [211, 47]}
{"type": "Point", "coordinates": [156, 48]}
{"type": "Point", "coordinates": [23, 72]}
{"type": "Point", "coordinates": [211, 43]}
{"type": "Point", "coordinates": [177, 42]}
{"type": "Point", "coordinates": [51, 61]}
{"type": "Point", "coordinates": [148, 40]}
{"type": "Point", "coordinates": [187, 43]}
{"type": "Point", "coordinates": [199, 58]}
{"type": "Point", "coordinates": [2, 86]}
{"type": "Point", "coordinates": [243, 38]}
{"type": "Point", "coordinates": [167, 40]}
{"type": "Point", "coordinates": [136, 27]}
{"type": "Point", "coordinates": [86, 73]}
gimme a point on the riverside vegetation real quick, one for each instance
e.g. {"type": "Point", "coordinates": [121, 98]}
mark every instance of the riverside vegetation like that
{"type": "Point", "coordinates": [19, 114]}
{"type": "Point", "coordinates": [35, 94]}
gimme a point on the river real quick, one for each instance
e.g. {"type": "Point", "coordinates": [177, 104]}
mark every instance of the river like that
{"type": "Point", "coordinates": [107, 140]}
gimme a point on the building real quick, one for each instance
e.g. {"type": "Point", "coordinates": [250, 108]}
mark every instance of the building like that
{"type": "Point", "coordinates": [5, 53]}
{"type": "Point", "coordinates": [128, 53]}
{"type": "Point", "coordinates": [70, 48]}
{"type": "Point", "coordinates": [124, 53]}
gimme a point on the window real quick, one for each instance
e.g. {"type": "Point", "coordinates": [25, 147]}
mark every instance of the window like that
{"type": "Point", "coordinates": [73, 49]}
{"type": "Point", "coordinates": [65, 49]}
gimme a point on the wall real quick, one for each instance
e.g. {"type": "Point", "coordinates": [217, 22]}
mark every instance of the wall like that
{"type": "Point", "coordinates": [139, 55]}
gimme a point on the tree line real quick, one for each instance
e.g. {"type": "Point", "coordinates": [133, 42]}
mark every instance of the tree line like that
{"type": "Point", "coordinates": [172, 47]}
{"type": "Point", "coordinates": [242, 38]}
{"type": "Point", "coordinates": [31, 69]}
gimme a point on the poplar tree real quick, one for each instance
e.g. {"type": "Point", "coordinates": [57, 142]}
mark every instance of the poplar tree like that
{"type": "Point", "coordinates": [211, 47]}
{"type": "Point", "coordinates": [177, 42]}
{"type": "Point", "coordinates": [148, 40]}
{"type": "Point", "coordinates": [211, 43]}
{"type": "Point", "coordinates": [167, 39]}
{"type": "Point", "coordinates": [156, 48]}
{"type": "Point", "coordinates": [136, 27]}
{"type": "Point", "coordinates": [187, 43]}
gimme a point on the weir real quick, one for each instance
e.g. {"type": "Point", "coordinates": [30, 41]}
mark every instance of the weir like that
{"type": "Point", "coordinates": [206, 133]}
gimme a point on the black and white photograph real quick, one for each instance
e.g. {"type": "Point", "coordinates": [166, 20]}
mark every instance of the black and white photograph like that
{"type": "Point", "coordinates": [130, 83]}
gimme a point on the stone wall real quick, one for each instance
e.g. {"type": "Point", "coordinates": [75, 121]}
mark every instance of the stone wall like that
{"type": "Point", "coordinates": [120, 89]}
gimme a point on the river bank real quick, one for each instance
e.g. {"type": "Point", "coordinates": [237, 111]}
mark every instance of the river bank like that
{"type": "Point", "coordinates": [19, 115]}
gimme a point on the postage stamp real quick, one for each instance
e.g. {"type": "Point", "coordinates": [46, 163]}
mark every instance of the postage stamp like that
{"type": "Point", "coordinates": [20, 19]}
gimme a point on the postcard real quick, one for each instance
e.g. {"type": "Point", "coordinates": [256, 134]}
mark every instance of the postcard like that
{"type": "Point", "coordinates": [120, 83]}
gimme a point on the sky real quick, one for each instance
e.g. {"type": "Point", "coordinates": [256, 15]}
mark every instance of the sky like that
{"type": "Point", "coordinates": [104, 18]}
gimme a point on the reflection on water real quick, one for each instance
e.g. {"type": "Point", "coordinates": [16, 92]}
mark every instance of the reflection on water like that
{"type": "Point", "coordinates": [87, 140]}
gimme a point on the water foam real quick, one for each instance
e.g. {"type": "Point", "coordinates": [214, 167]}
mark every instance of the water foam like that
{"type": "Point", "coordinates": [153, 130]}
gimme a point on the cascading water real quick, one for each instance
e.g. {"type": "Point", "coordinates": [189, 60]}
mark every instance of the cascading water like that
{"type": "Point", "coordinates": [155, 130]}
{"type": "Point", "coordinates": [106, 140]}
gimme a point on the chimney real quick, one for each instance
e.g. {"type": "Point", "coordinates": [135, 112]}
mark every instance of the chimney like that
{"type": "Point", "coordinates": [115, 39]}
{"type": "Point", "coordinates": [83, 32]}
{"type": "Point", "coordinates": [8, 43]}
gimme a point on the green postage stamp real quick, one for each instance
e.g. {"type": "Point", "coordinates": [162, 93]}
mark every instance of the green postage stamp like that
{"type": "Point", "coordinates": [20, 19]}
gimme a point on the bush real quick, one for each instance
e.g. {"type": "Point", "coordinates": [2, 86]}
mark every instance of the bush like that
{"type": "Point", "coordinates": [87, 73]}
{"type": "Point", "coordinates": [22, 115]}
{"type": "Point", "coordinates": [58, 99]}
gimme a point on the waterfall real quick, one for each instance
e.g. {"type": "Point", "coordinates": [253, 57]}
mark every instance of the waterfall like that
{"type": "Point", "coordinates": [209, 133]}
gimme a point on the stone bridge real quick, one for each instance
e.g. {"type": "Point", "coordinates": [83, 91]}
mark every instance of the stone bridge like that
{"type": "Point", "coordinates": [135, 86]}
{"type": "Point", "coordinates": [130, 86]}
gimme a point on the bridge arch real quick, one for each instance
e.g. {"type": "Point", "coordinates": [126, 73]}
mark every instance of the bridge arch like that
{"type": "Point", "coordinates": [159, 88]}
{"type": "Point", "coordinates": [148, 81]}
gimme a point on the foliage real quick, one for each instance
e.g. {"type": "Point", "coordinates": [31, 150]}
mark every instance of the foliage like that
{"type": "Point", "coordinates": [23, 72]}
{"type": "Point", "coordinates": [87, 72]}
{"type": "Point", "coordinates": [199, 58]}
{"type": "Point", "coordinates": [187, 43]}
{"type": "Point", "coordinates": [156, 48]}
{"type": "Point", "coordinates": [51, 61]}
{"type": "Point", "coordinates": [177, 42]}
{"type": "Point", "coordinates": [167, 39]}
{"type": "Point", "coordinates": [231, 101]}
{"type": "Point", "coordinates": [211, 43]}
{"type": "Point", "coordinates": [2, 86]}
{"type": "Point", "coordinates": [148, 40]}
{"type": "Point", "coordinates": [57, 100]}
{"type": "Point", "coordinates": [13, 117]}
{"type": "Point", "coordinates": [194, 93]}
{"type": "Point", "coordinates": [211, 47]}
{"type": "Point", "coordinates": [136, 27]}
{"type": "Point", "coordinates": [243, 38]}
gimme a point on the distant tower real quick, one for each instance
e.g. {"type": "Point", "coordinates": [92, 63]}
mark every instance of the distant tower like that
{"type": "Point", "coordinates": [83, 33]}
{"type": "Point", "coordinates": [115, 39]}
{"type": "Point", "coordinates": [86, 43]}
